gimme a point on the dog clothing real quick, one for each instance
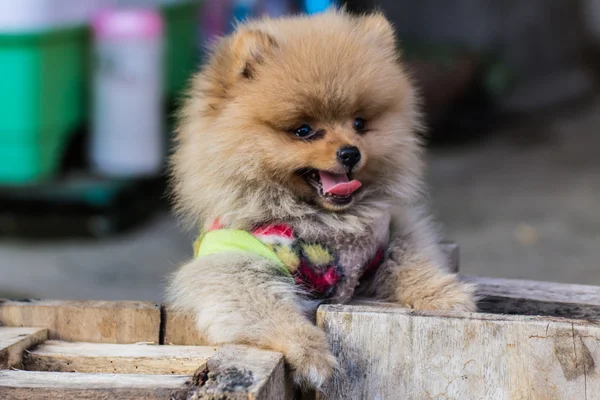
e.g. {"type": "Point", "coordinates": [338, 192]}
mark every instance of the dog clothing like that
{"type": "Point", "coordinates": [315, 267]}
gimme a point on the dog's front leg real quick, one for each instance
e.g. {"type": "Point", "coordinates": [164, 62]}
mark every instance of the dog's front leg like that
{"type": "Point", "coordinates": [243, 299]}
{"type": "Point", "coordinates": [416, 281]}
{"type": "Point", "coordinates": [414, 272]}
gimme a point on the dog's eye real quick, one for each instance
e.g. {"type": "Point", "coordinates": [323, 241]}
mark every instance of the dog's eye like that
{"type": "Point", "coordinates": [360, 124]}
{"type": "Point", "coordinates": [304, 131]}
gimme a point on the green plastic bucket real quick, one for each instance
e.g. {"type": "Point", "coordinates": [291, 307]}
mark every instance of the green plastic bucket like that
{"type": "Point", "coordinates": [43, 97]}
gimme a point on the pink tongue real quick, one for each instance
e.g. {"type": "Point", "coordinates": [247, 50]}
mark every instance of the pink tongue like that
{"type": "Point", "coordinates": [338, 184]}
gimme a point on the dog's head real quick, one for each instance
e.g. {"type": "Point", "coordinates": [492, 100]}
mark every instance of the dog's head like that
{"type": "Point", "coordinates": [303, 113]}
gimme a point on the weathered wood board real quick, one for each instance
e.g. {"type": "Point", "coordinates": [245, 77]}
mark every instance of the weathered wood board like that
{"type": "Point", "coordinates": [102, 367]}
{"type": "Point", "coordinates": [14, 341]}
{"type": "Point", "coordinates": [179, 329]}
{"type": "Point", "coordinates": [65, 370]}
{"type": "Point", "coordinates": [60, 356]}
{"type": "Point", "coordinates": [392, 353]}
{"type": "Point", "coordinates": [525, 297]}
{"type": "Point", "coordinates": [26, 385]}
{"type": "Point", "coordinates": [86, 321]}
{"type": "Point", "coordinates": [244, 373]}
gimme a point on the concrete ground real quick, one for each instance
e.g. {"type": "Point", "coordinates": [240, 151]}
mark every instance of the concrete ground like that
{"type": "Point", "coordinates": [524, 204]}
{"type": "Point", "coordinates": [527, 203]}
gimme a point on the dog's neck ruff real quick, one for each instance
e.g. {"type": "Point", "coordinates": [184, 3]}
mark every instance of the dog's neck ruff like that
{"type": "Point", "coordinates": [313, 266]}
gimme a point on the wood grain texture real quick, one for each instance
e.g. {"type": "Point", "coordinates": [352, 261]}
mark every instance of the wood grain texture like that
{"type": "Point", "coordinates": [60, 356]}
{"type": "Point", "coordinates": [239, 372]}
{"type": "Point", "coordinates": [524, 297]}
{"type": "Point", "coordinates": [230, 372]}
{"type": "Point", "coordinates": [86, 321]}
{"type": "Point", "coordinates": [27, 385]}
{"type": "Point", "coordinates": [15, 341]}
{"type": "Point", "coordinates": [179, 329]}
{"type": "Point", "coordinates": [394, 353]}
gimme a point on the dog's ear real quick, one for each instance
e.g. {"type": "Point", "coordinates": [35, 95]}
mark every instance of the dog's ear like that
{"type": "Point", "coordinates": [377, 26]}
{"type": "Point", "coordinates": [235, 59]}
{"type": "Point", "coordinates": [249, 48]}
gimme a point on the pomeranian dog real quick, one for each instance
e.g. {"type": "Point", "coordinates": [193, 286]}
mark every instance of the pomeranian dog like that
{"type": "Point", "coordinates": [299, 158]}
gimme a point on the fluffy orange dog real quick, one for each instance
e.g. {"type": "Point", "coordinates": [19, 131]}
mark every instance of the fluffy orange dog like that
{"type": "Point", "coordinates": [297, 154]}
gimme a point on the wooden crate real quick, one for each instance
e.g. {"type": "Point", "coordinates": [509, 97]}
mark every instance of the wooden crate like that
{"type": "Point", "coordinates": [533, 340]}
{"type": "Point", "coordinates": [112, 350]}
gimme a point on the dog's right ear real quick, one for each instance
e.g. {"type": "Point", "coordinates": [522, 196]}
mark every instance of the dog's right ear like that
{"type": "Point", "coordinates": [249, 48]}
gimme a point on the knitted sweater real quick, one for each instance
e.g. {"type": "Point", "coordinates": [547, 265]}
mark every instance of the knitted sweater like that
{"type": "Point", "coordinates": [326, 268]}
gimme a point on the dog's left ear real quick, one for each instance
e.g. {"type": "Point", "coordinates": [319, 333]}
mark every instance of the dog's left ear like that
{"type": "Point", "coordinates": [377, 26]}
{"type": "Point", "coordinates": [249, 49]}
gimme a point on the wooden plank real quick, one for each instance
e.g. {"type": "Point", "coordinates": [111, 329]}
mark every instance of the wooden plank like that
{"type": "Point", "coordinates": [180, 329]}
{"type": "Point", "coordinates": [395, 353]}
{"type": "Point", "coordinates": [230, 372]}
{"type": "Point", "coordinates": [117, 358]}
{"type": "Point", "coordinates": [14, 341]}
{"type": "Point", "coordinates": [26, 385]}
{"type": "Point", "coordinates": [514, 296]}
{"type": "Point", "coordinates": [86, 321]}
{"type": "Point", "coordinates": [239, 372]}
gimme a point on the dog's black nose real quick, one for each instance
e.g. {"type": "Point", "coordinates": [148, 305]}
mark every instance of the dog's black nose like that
{"type": "Point", "coordinates": [349, 156]}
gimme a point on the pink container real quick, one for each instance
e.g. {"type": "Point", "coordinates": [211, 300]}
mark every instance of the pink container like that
{"type": "Point", "coordinates": [127, 24]}
{"type": "Point", "coordinates": [128, 137]}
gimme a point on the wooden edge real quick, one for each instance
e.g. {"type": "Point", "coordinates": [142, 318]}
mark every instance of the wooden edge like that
{"type": "Point", "coordinates": [60, 356]}
{"type": "Point", "coordinates": [525, 297]}
{"type": "Point", "coordinates": [243, 372]}
{"type": "Point", "coordinates": [15, 341]}
{"type": "Point", "coordinates": [361, 306]}
{"type": "Point", "coordinates": [86, 321]}
{"type": "Point", "coordinates": [18, 385]}
{"type": "Point", "coordinates": [536, 290]}
{"type": "Point", "coordinates": [179, 329]}
{"type": "Point", "coordinates": [86, 304]}
{"type": "Point", "coordinates": [452, 253]}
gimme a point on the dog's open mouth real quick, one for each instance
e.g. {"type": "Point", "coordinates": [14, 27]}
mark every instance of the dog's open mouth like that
{"type": "Point", "coordinates": [337, 189]}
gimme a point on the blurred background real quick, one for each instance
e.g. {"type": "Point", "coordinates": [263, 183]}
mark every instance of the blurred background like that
{"type": "Point", "coordinates": [88, 89]}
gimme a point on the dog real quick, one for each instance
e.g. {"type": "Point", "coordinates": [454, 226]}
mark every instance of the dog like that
{"type": "Point", "coordinates": [299, 156]}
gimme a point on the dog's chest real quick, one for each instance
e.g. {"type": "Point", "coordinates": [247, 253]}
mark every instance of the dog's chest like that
{"type": "Point", "coordinates": [328, 266]}
{"type": "Point", "coordinates": [346, 258]}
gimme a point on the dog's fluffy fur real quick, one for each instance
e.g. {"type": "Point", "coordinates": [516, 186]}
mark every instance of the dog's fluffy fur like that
{"type": "Point", "coordinates": [238, 160]}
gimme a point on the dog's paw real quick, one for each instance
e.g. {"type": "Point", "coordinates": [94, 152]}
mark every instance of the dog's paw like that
{"type": "Point", "coordinates": [314, 369]}
{"type": "Point", "coordinates": [455, 297]}
{"type": "Point", "coordinates": [310, 360]}
{"type": "Point", "coordinates": [443, 292]}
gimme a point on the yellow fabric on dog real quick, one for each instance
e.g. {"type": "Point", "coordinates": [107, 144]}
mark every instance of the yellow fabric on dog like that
{"type": "Point", "coordinates": [224, 240]}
